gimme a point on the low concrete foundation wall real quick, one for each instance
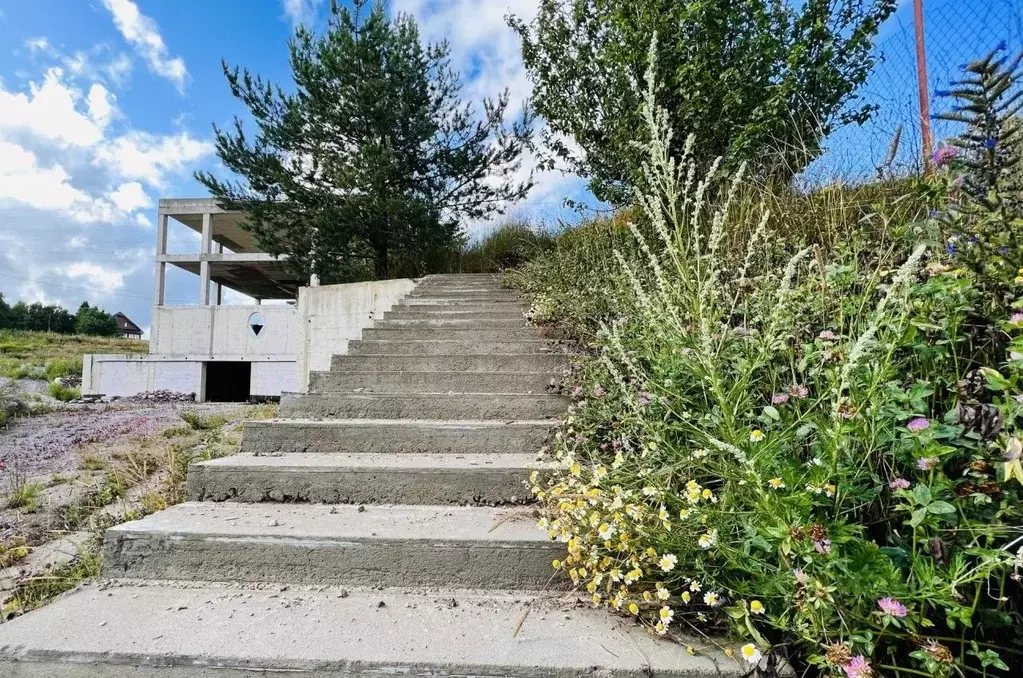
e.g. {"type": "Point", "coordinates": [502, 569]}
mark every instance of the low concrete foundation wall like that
{"type": "Point", "coordinates": [333, 315]}
{"type": "Point", "coordinates": [292, 341]}
{"type": "Point", "coordinates": [127, 375]}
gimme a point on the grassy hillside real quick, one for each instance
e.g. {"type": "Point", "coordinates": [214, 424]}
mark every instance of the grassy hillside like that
{"type": "Point", "coordinates": [41, 355]}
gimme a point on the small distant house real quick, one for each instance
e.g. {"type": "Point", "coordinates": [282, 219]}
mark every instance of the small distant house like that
{"type": "Point", "coordinates": [126, 328]}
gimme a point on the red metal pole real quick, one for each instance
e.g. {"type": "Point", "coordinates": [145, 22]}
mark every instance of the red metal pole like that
{"type": "Point", "coordinates": [921, 77]}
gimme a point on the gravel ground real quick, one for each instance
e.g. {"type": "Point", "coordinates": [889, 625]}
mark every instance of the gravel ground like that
{"type": "Point", "coordinates": [47, 444]}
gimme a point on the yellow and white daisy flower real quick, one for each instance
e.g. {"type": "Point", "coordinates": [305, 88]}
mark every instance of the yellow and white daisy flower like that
{"type": "Point", "coordinates": [751, 653]}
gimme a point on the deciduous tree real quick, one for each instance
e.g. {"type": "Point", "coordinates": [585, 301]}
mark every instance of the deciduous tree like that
{"type": "Point", "coordinates": [760, 80]}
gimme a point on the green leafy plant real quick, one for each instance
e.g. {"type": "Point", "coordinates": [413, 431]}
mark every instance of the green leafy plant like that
{"type": "Point", "coordinates": [64, 393]}
{"type": "Point", "coordinates": [753, 80]}
{"type": "Point", "coordinates": [984, 219]}
{"type": "Point", "coordinates": [63, 367]}
{"type": "Point", "coordinates": [202, 422]}
{"type": "Point", "coordinates": [806, 452]}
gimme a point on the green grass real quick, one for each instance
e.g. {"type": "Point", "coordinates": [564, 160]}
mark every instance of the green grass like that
{"type": "Point", "coordinates": [42, 355]}
{"type": "Point", "coordinates": [508, 247]}
{"type": "Point", "coordinates": [24, 496]}
{"type": "Point", "coordinates": [37, 591]}
{"type": "Point", "coordinates": [201, 422]}
{"type": "Point", "coordinates": [64, 393]}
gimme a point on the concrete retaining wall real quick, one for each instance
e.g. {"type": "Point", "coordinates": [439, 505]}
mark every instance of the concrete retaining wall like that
{"type": "Point", "coordinates": [333, 315]}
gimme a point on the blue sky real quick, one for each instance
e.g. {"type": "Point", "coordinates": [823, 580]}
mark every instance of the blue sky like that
{"type": "Point", "coordinates": [107, 105]}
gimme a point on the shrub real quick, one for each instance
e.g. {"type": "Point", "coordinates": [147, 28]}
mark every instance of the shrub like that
{"type": "Point", "coordinates": [63, 367]}
{"type": "Point", "coordinates": [508, 247]}
{"type": "Point", "coordinates": [572, 282]}
{"type": "Point", "coordinates": [64, 393]}
{"type": "Point", "coordinates": [202, 422]}
{"type": "Point", "coordinates": [808, 452]}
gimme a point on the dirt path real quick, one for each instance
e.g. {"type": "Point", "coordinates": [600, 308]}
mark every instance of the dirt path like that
{"type": "Point", "coordinates": [47, 444]}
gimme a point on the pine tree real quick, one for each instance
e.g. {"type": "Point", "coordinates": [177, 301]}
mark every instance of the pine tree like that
{"type": "Point", "coordinates": [988, 101]}
{"type": "Point", "coordinates": [370, 166]}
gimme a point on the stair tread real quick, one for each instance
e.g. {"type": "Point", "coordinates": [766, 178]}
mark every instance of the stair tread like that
{"type": "Point", "coordinates": [321, 630]}
{"type": "Point", "coordinates": [399, 423]}
{"type": "Point", "coordinates": [466, 463]}
{"type": "Point", "coordinates": [341, 522]}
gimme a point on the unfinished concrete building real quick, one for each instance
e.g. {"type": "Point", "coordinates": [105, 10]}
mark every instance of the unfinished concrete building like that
{"type": "Point", "coordinates": [236, 352]}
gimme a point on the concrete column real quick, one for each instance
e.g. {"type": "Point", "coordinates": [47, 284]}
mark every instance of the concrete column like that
{"type": "Point", "coordinates": [218, 292]}
{"type": "Point", "coordinates": [160, 283]}
{"type": "Point", "coordinates": [204, 264]}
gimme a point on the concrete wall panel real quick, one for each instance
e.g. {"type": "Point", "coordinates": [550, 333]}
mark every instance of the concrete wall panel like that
{"type": "Point", "coordinates": [332, 315]}
{"type": "Point", "coordinates": [223, 331]}
{"type": "Point", "coordinates": [274, 378]}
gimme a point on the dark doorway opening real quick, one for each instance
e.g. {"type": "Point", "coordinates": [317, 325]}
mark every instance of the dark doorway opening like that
{"type": "Point", "coordinates": [228, 382]}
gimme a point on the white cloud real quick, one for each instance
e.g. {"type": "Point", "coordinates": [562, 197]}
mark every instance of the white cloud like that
{"type": "Point", "coordinates": [106, 279]}
{"type": "Point", "coordinates": [301, 11]}
{"type": "Point", "coordinates": [130, 197]}
{"type": "Point", "coordinates": [75, 182]}
{"type": "Point", "coordinates": [144, 35]}
{"type": "Point", "coordinates": [50, 110]}
{"type": "Point", "coordinates": [151, 158]}
{"type": "Point", "coordinates": [101, 105]}
{"type": "Point", "coordinates": [94, 64]}
{"type": "Point", "coordinates": [37, 44]}
{"type": "Point", "coordinates": [23, 181]}
{"type": "Point", "coordinates": [119, 69]}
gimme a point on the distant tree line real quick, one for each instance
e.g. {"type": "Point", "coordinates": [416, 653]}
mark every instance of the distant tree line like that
{"type": "Point", "coordinates": [39, 317]}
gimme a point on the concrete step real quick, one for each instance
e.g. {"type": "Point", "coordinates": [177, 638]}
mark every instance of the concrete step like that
{"type": "Point", "coordinates": [462, 285]}
{"type": "Point", "coordinates": [476, 406]}
{"type": "Point", "coordinates": [492, 362]}
{"type": "Point", "coordinates": [466, 295]}
{"type": "Point", "coordinates": [451, 333]}
{"type": "Point", "coordinates": [460, 276]}
{"type": "Point", "coordinates": [437, 479]}
{"type": "Point", "coordinates": [180, 631]}
{"type": "Point", "coordinates": [393, 436]}
{"type": "Point", "coordinates": [442, 323]}
{"type": "Point", "coordinates": [462, 547]}
{"type": "Point", "coordinates": [432, 382]}
{"type": "Point", "coordinates": [430, 302]}
{"type": "Point", "coordinates": [451, 347]}
{"type": "Point", "coordinates": [445, 313]}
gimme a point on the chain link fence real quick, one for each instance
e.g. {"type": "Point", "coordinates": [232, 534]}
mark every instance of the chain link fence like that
{"type": "Point", "coordinates": [955, 33]}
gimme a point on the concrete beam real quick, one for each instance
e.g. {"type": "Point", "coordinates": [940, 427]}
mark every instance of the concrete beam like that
{"type": "Point", "coordinates": [218, 257]}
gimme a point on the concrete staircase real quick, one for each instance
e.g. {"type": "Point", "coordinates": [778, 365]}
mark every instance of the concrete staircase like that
{"type": "Point", "coordinates": [375, 528]}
